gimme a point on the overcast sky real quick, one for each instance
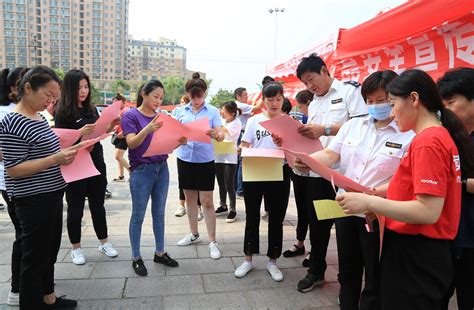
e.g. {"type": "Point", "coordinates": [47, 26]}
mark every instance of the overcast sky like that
{"type": "Point", "coordinates": [233, 41]}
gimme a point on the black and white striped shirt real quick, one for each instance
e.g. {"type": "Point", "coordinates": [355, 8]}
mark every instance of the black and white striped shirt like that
{"type": "Point", "coordinates": [24, 139]}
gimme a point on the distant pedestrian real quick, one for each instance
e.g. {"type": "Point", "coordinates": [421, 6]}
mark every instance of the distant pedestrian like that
{"type": "Point", "coordinates": [120, 142]}
{"type": "Point", "coordinates": [226, 165]}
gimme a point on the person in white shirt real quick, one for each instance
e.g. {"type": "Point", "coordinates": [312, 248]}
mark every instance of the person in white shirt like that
{"type": "Point", "coordinates": [370, 150]}
{"type": "Point", "coordinates": [226, 165]}
{"type": "Point", "coordinates": [241, 97]}
{"type": "Point", "coordinates": [334, 103]}
{"type": "Point", "coordinates": [274, 193]}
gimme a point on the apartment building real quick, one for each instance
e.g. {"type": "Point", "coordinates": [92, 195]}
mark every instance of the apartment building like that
{"type": "Point", "coordinates": [86, 34]}
{"type": "Point", "coordinates": [155, 59]}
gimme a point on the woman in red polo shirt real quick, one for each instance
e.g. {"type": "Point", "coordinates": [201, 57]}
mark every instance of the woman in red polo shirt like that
{"type": "Point", "coordinates": [423, 202]}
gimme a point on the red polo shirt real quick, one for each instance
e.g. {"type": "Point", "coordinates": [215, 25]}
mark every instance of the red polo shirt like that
{"type": "Point", "coordinates": [431, 166]}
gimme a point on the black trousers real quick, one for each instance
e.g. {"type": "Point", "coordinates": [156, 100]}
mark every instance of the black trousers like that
{"type": "Point", "coordinates": [225, 174]}
{"type": "Point", "coordinates": [358, 253]}
{"type": "Point", "coordinates": [319, 231]}
{"type": "Point", "coordinates": [16, 248]}
{"type": "Point", "coordinates": [416, 272]}
{"type": "Point", "coordinates": [40, 218]}
{"type": "Point", "coordinates": [300, 190]}
{"type": "Point", "coordinates": [76, 192]}
{"type": "Point", "coordinates": [275, 195]}
{"type": "Point", "coordinates": [463, 262]}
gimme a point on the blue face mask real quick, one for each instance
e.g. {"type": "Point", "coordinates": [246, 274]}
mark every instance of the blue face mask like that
{"type": "Point", "coordinates": [380, 111]}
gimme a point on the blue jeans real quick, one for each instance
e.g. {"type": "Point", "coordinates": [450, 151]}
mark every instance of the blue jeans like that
{"type": "Point", "coordinates": [148, 180]}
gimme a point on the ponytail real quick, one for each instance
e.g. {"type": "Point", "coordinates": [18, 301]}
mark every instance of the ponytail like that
{"type": "Point", "coordinates": [139, 96]}
{"type": "Point", "coordinates": [4, 89]}
{"type": "Point", "coordinates": [10, 78]}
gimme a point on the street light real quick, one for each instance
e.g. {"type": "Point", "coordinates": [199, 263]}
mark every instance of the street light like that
{"type": "Point", "coordinates": [276, 11]}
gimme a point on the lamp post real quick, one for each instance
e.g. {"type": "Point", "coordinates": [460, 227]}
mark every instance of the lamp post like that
{"type": "Point", "coordinates": [276, 11]}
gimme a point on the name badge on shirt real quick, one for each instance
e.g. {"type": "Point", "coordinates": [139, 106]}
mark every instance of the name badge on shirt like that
{"type": "Point", "coordinates": [335, 101]}
{"type": "Point", "coordinates": [393, 145]}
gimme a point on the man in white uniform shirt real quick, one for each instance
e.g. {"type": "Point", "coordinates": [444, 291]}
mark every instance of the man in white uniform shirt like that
{"type": "Point", "coordinates": [334, 103]}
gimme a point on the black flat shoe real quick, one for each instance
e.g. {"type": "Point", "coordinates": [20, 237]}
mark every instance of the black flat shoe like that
{"type": "Point", "coordinates": [221, 209]}
{"type": "Point", "coordinates": [139, 267]}
{"type": "Point", "coordinates": [166, 260]}
{"type": "Point", "coordinates": [298, 252]}
{"type": "Point", "coordinates": [62, 303]}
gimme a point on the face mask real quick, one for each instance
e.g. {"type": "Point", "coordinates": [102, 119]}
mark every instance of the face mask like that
{"type": "Point", "coordinates": [380, 111]}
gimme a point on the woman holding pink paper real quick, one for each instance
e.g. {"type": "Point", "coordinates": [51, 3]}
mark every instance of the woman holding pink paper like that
{"type": "Point", "coordinates": [274, 193]}
{"type": "Point", "coordinates": [196, 170]}
{"type": "Point", "coordinates": [75, 111]}
{"type": "Point", "coordinates": [32, 156]}
{"type": "Point", "coordinates": [423, 204]}
{"type": "Point", "coordinates": [149, 176]}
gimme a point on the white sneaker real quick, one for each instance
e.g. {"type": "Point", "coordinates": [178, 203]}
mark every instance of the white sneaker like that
{"type": "Point", "coordinates": [13, 299]}
{"type": "Point", "coordinates": [108, 249]}
{"type": "Point", "coordinates": [200, 216]}
{"type": "Point", "coordinates": [214, 250]}
{"type": "Point", "coordinates": [264, 214]}
{"type": "Point", "coordinates": [77, 256]}
{"type": "Point", "coordinates": [275, 272]}
{"type": "Point", "coordinates": [180, 211]}
{"type": "Point", "coordinates": [243, 269]}
{"type": "Point", "coordinates": [189, 239]}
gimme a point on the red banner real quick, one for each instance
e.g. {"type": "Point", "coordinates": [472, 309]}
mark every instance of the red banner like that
{"type": "Point", "coordinates": [434, 36]}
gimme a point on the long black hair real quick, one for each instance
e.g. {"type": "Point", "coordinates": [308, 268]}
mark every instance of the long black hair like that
{"type": "Point", "coordinates": [147, 88]}
{"type": "Point", "coordinates": [68, 109]}
{"type": "Point", "coordinates": [10, 78]}
{"type": "Point", "coordinates": [420, 82]}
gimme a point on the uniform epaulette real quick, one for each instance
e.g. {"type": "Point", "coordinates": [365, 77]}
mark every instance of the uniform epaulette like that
{"type": "Point", "coordinates": [353, 83]}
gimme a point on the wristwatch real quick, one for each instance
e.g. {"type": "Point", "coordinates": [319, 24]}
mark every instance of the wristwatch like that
{"type": "Point", "coordinates": [327, 130]}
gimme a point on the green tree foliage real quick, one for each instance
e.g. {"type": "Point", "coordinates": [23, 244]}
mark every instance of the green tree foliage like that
{"type": "Point", "coordinates": [120, 86]}
{"type": "Point", "coordinates": [96, 96]}
{"type": "Point", "coordinates": [60, 73]}
{"type": "Point", "coordinates": [222, 96]}
{"type": "Point", "coordinates": [174, 89]}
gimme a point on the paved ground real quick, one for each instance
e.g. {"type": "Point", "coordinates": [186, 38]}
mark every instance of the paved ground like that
{"type": "Point", "coordinates": [198, 283]}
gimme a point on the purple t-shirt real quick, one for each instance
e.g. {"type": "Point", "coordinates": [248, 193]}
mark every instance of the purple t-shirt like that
{"type": "Point", "coordinates": [133, 121]}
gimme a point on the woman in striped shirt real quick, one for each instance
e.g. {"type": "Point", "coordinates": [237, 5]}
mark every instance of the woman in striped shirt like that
{"type": "Point", "coordinates": [34, 182]}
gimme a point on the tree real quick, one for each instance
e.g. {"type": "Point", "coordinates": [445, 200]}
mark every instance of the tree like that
{"type": "Point", "coordinates": [174, 89]}
{"type": "Point", "coordinates": [222, 96]}
{"type": "Point", "coordinates": [96, 96]}
{"type": "Point", "coordinates": [60, 73]}
{"type": "Point", "coordinates": [120, 86]}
